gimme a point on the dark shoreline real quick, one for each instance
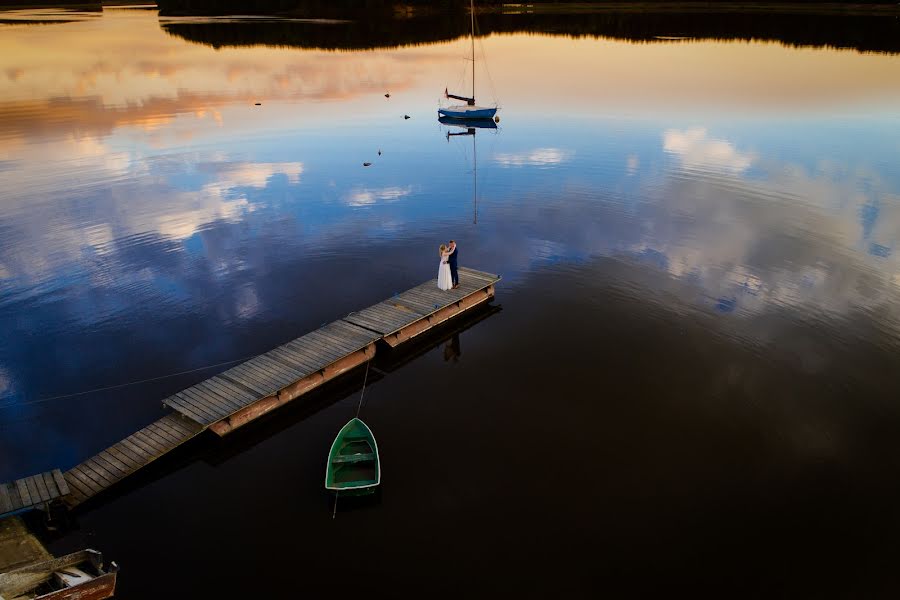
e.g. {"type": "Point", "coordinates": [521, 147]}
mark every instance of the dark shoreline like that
{"type": "Point", "coordinates": [863, 32]}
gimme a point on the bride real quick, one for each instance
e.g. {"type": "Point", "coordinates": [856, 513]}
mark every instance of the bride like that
{"type": "Point", "coordinates": [444, 280]}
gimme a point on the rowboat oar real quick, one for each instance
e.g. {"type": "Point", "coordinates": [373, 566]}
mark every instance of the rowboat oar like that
{"type": "Point", "coordinates": [334, 512]}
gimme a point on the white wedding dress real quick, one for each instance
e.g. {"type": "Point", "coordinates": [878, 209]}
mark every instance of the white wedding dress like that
{"type": "Point", "coordinates": [445, 282]}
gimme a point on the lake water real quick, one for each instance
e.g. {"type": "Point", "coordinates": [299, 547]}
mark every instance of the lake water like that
{"type": "Point", "coordinates": [691, 379]}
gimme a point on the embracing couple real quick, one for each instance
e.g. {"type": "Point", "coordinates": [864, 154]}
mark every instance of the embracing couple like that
{"type": "Point", "coordinates": [448, 277]}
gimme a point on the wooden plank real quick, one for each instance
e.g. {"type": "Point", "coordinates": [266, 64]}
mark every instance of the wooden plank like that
{"type": "Point", "coordinates": [163, 444]}
{"type": "Point", "coordinates": [51, 485]}
{"type": "Point", "coordinates": [180, 404]}
{"type": "Point", "coordinates": [153, 446]}
{"type": "Point", "coordinates": [205, 404]}
{"type": "Point", "coordinates": [254, 379]}
{"type": "Point", "coordinates": [124, 458]}
{"type": "Point", "coordinates": [89, 477]}
{"type": "Point", "coordinates": [303, 365]}
{"type": "Point", "coordinates": [41, 488]}
{"type": "Point", "coordinates": [308, 352]}
{"type": "Point", "coordinates": [60, 482]}
{"type": "Point", "coordinates": [363, 321]}
{"type": "Point", "coordinates": [313, 352]}
{"type": "Point", "coordinates": [104, 461]}
{"type": "Point", "coordinates": [173, 434]}
{"type": "Point", "coordinates": [232, 403]}
{"type": "Point", "coordinates": [96, 471]}
{"type": "Point", "coordinates": [422, 301]}
{"type": "Point", "coordinates": [153, 430]}
{"type": "Point", "coordinates": [289, 358]}
{"type": "Point", "coordinates": [334, 343]}
{"type": "Point", "coordinates": [491, 277]}
{"type": "Point", "coordinates": [264, 375]}
{"type": "Point", "coordinates": [437, 297]}
{"type": "Point", "coordinates": [76, 496]}
{"type": "Point", "coordinates": [6, 503]}
{"type": "Point", "coordinates": [77, 485]}
{"type": "Point", "coordinates": [390, 317]}
{"type": "Point", "coordinates": [162, 433]}
{"type": "Point", "coordinates": [134, 443]}
{"type": "Point", "coordinates": [24, 494]}
{"type": "Point", "coordinates": [236, 379]}
{"type": "Point", "coordinates": [179, 423]}
{"type": "Point", "coordinates": [364, 336]}
{"type": "Point", "coordinates": [397, 318]}
{"type": "Point", "coordinates": [356, 336]}
{"type": "Point", "coordinates": [278, 374]}
{"type": "Point", "coordinates": [377, 315]}
{"type": "Point", "coordinates": [479, 280]}
{"type": "Point", "coordinates": [365, 333]}
{"type": "Point", "coordinates": [422, 307]}
{"type": "Point", "coordinates": [137, 454]}
{"type": "Point", "coordinates": [320, 351]}
{"type": "Point", "coordinates": [260, 380]}
{"type": "Point", "coordinates": [111, 457]}
{"type": "Point", "coordinates": [288, 374]}
{"type": "Point", "coordinates": [422, 298]}
{"type": "Point", "coordinates": [395, 313]}
{"type": "Point", "coordinates": [33, 491]}
{"type": "Point", "coordinates": [349, 333]}
{"type": "Point", "coordinates": [229, 390]}
{"type": "Point", "coordinates": [87, 482]}
{"type": "Point", "coordinates": [199, 405]}
{"type": "Point", "coordinates": [14, 496]}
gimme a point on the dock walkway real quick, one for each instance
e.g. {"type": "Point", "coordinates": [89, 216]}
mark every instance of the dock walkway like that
{"type": "Point", "coordinates": [124, 458]}
{"type": "Point", "coordinates": [35, 491]}
{"type": "Point", "coordinates": [253, 388]}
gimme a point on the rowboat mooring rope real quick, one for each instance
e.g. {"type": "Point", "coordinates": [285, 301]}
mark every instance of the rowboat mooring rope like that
{"type": "Point", "coordinates": [363, 392]}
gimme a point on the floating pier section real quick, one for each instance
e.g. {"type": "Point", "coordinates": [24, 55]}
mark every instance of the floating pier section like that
{"type": "Point", "coordinates": [253, 388]}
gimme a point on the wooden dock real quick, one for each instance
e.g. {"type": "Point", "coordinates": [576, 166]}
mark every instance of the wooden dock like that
{"type": "Point", "coordinates": [253, 388]}
{"type": "Point", "coordinates": [124, 458]}
{"type": "Point", "coordinates": [36, 491]}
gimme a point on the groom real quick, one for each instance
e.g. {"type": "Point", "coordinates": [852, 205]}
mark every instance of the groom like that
{"type": "Point", "coordinates": [454, 255]}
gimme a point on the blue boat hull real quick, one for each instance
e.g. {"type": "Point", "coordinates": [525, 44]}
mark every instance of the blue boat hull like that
{"type": "Point", "coordinates": [468, 112]}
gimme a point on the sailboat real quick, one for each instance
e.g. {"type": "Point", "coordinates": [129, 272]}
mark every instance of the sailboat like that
{"type": "Point", "coordinates": [469, 110]}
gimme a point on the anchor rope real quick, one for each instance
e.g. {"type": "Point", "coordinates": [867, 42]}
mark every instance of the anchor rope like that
{"type": "Point", "coordinates": [363, 391]}
{"type": "Point", "coordinates": [121, 385]}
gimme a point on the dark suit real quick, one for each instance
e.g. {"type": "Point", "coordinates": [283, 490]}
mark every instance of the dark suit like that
{"type": "Point", "coordinates": [454, 274]}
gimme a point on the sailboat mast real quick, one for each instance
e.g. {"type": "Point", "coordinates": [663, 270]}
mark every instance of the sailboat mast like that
{"type": "Point", "coordinates": [475, 177]}
{"type": "Point", "coordinates": [472, 13]}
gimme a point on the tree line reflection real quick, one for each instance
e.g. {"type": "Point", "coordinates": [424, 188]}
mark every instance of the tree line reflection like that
{"type": "Point", "coordinates": [380, 25]}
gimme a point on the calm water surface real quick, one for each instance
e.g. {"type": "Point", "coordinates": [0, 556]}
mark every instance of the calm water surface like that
{"type": "Point", "coordinates": [692, 380]}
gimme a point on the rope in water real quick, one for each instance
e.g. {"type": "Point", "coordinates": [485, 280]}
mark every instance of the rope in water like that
{"type": "Point", "coordinates": [121, 385]}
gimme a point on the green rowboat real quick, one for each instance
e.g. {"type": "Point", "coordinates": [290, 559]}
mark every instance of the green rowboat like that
{"type": "Point", "coordinates": [353, 467]}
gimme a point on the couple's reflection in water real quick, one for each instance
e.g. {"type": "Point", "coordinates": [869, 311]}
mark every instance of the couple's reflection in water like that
{"type": "Point", "coordinates": [452, 351]}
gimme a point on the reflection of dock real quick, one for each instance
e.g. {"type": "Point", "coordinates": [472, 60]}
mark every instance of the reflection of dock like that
{"type": "Point", "coordinates": [253, 388]}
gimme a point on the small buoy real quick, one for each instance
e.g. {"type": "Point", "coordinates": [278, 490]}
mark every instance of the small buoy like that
{"type": "Point", "coordinates": [367, 164]}
{"type": "Point", "coordinates": [387, 95]}
{"type": "Point", "coordinates": [405, 116]}
{"type": "Point", "coordinates": [259, 104]}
